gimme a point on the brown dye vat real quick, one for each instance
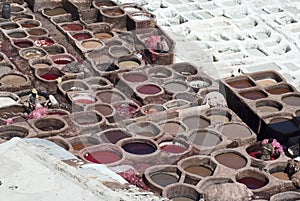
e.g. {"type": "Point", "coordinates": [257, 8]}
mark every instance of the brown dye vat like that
{"type": "Point", "coordinates": [240, 84]}
{"type": "Point", "coordinates": [9, 26]}
{"type": "Point", "coordinates": [195, 122]}
{"type": "Point", "coordinates": [113, 12]}
{"type": "Point", "coordinates": [72, 27]}
{"type": "Point", "coordinates": [199, 170]}
{"type": "Point", "coordinates": [164, 178]}
{"type": "Point", "coordinates": [17, 34]}
{"type": "Point", "coordinates": [23, 43]}
{"type": "Point", "coordinates": [114, 135]}
{"type": "Point", "coordinates": [55, 11]}
{"type": "Point", "coordinates": [252, 183]}
{"type": "Point", "coordinates": [29, 23]}
{"type": "Point", "coordinates": [81, 36]}
{"type": "Point", "coordinates": [149, 89]}
{"type": "Point", "coordinates": [103, 35]}
{"type": "Point", "coordinates": [279, 90]}
{"type": "Point", "coordinates": [22, 16]}
{"type": "Point", "coordinates": [172, 127]}
{"type": "Point", "coordinates": [13, 80]}
{"type": "Point", "coordinates": [101, 3]}
{"type": "Point", "coordinates": [253, 95]}
{"type": "Point", "coordinates": [10, 131]}
{"type": "Point", "coordinates": [104, 109]}
{"type": "Point", "coordinates": [91, 44]}
{"type": "Point", "coordinates": [134, 77]}
{"type": "Point", "coordinates": [110, 96]}
{"type": "Point", "coordinates": [293, 100]}
{"type": "Point", "coordinates": [281, 175]}
{"type": "Point", "coordinates": [42, 65]}
{"type": "Point", "coordinates": [231, 160]}
{"type": "Point", "coordinates": [37, 32]}
{"type": "Point", "coordinates": [235, 131]}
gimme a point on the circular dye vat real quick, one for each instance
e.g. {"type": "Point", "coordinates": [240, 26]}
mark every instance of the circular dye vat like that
{"type": "Point", "coordinates": [235, 131]}
{"type": "Point", "coordinates": [62, 59]}
{"type": "Point", "coordinates": [205, 138]}
{"type": "Point", "coordinates": [17, 34]}
{"type": "Point", "coordinates": [103, 35]}
{"type": "Point", "coordinates": [283, 125]}
{"type": "Point", "coordinates": [164, 179]}
{"type": "Point", "coordinates": [176, 87]}
{"type": "Point", "coordinates": [37, 32]}
{"type": "Point", "coordinates": [13, 131]}
{"type": "Point", "coordinates": [139, 148]}
{"type": "Point", "coordinates": [43, 42]}
{"type": "Point", "coordinates": [175, 148]}
{"type": "Point", "coordinates": [172, 127]}
{"type": "Point", "coordinates": [13, 80]}
{"type": "Point", "coordinates": [5, 68]}
{"type": "Point", "coordinates": [292, 100]}
{"type": "Point", "coordinates": [72, 27]}
{"type": "Point", "coordinates": [195, 122]}
{"type": "Point", "coordinates": [253, 95]}
{"type": "Point", "coordinates": [240, 84]}
{"type": "Point", "coordinates": [252, 183]}
{"type": "Point", "coordinates": [281, 175]}
{"type": "Point", "coordinates": [149, 89]}
{"type": "Point", "coordinates": [23, 43]}
{"type": "Point", "coordinates": [279, 90]}
{"type": "Point", "coordinates": [9, 26]}
{"type": "Point", "coordinates": [50, 76]}
{"type": "Point", "coordinates": [91, 44]}
{"type": "Point", "coordinates": [32, 53]}
{"type": "Point", "coordinates": [81, 36]}
{"type": "Point", "coordinates": [49, 124]}
{"type": "Point", "coordinates": [231, 160]}
{"type": "Point", "coordinates": [128, 64]}
{"type": "Point", "coordinates": [267, 108]}
{"type": "Point", "coordinates": [110, 96]}
{"type": "Point", "coordinates": [102, 157]}
{"type": "Point", "coordinates": [266, 82]}
{"type": "Point", "coordinates": [55, 11]}
{"type": "Point", "coordinates": [134, 77]}
{"type": "Point", "coordinates": [41, 65]}
{"type": "Point", "coordinates": [104, 109]}
{"type": "Point", "coordinates": [199, 170]}
{"type": "Point", "coordinates": [114, 135]}
{"type": "Point", "coordinates": [30, 23]}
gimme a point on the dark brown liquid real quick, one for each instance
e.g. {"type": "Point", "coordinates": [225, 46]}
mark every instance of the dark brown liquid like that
{"type": "Point", "coordinates": [252, 183]}
{"type": "Point", "coordinates": [103, 109]}
{"type": "Point", "coordinates": [55, 11]}
{"type": "Point", "coordinates": [199, 170]}
{"type": "Point", "coordinates": [279, 90]}
{"type": "Point", "coordinates": [23, 44]}
{"type": "Point", "coordinates": [37, 32]}
{"type": "Point", "coordinates": [240, 84]}
{"type": "Point", "coordinates": [114, 136]}
{"type": "Point", "coordinates": [149, 89]}
{"type": "Point", "coordinates": [231, 160]}
{"type": "Point", "coordinates": [164, 179]}
{"type": "Point", "coordinates": [253, 95]}
{"type": "Point", "coordinates": [235, 131]}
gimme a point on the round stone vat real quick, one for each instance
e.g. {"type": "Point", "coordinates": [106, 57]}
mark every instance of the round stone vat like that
{"type": "Point", "coordinates": [108, 154]}
{"type": "Point", "coordinates": [176, 86]}
{"type": "Point", "coordinates": [17, 34]}
{"type": "Point", "coordinates": [22, 43]}
{"type": "Point", "coordinates": [43, 41]}
{"type": "Point", "coordinates": [252, 178]}
{"type": "Point", "coordinates": [82, 99]}
{"type": "Point", "coordinates": [6, 68]}
{"type": "Point", "coordinates": [172, 127]}
{"type": "Point", "coordinates": [119, 51]}
{"type": "Point", "coordinates": [29, 23]}
{"type": "Point", "coordinates": [282, 127]}
{"type": "Point", "coordinates": [254, 94]}
{"type": "Point", "coordinates": [184, 69]}
{"type": "Point", "coordinates": [176, 103]}
{"type": "Point", "coordinates": [149, 89]}
{"type": "Point", "coordinates": [51, 12]}
{"type": "Point", "coordinates": [152, 109]}
{"type": "Point", "coordinates": [138, 147]}
{"type": "Point", "coordinates": [114, 135]}
{"type": "Point", "coordinates": [22, 16]}
{"type": "Point", "coordinates": [286, 196]}
{"type": "Point", "coordinates": [291, 99]}
{"type": "Point", "coordinates": [205, 139]}
{"type": "Point", "coordinates": [73, 86]}
{"type": "Point", "coordinates": [145, 129]}
{"type": "Point", "coordinates": [87, 119]}
{"type": "Point", "coordinates": [196, 122]}
{"type": "Point", "coordinates": [15, 9]}
{"type": "Point", "coordinates": [98, 83]}
{"type": "Point", "coordinates": [134, 77]}
{"type": "Point", "coordinates": [113, 42]}
{"type": "Point", "coordinates": [103, 35]}
{"type": "Point", "coordinates": [125, 109]}
{"type": "Point", "coordinates": [14, 80]}
{"type": "Point", "coordinates": [60, 142]}
{"type": "Point", "coordinates": [159, 176]}
{"type": "Point", "coordinates": [266, 78]}
{"type": "Point", "coordinates": [241, 83]}
{"type": "Point", "coordinates": [175, 146]}
{"type": "Point", "coordinates": [37, 32]}
{"type": "Point", "coordinates": [48, 78]}
{"type": "Point", "coordinates": [196, 168]}
{"type": "Point", "coordinates": [107, 110]}
{"type": "Point", "coordinates": [9, 26]}
{"type": "Point", "coordinates": [48, 126]}
{"type": "Point", "coordinates": [62, 59]}
{"type": "Point", "coordinates": [280, 89]}
{"type": "Point", "coordinates": [59, 112]}
{"type": "Point", "coordinates": [181, 192]}
{"type": "Point", "coordinates": [72, 27]}
{"type": "Point", "coordinates": [83, 141]}
{"type": "Point", "coordinates": [55, 49]}
{"type": "Point", "coordinates": [110, 96]}
{"type": "Point", "coordinates": [199, 83]}
{"type": "Point", "coordinates": [82, 35]}
{"type": "Point", "coordinates": [236, 131]}
{"type": "Point", "coordinates": [9, 131]}
{"type": "Point", "coordinates": [129, 63]}
{"type": "Point", "coordinates": [231, 158]}
{"type": "Point", "coordinates": [91, 44]}
{"type": "Point", "coordinates": [268, 106]}
{"type": "Point", "coordinates": [278, 170]}
{"type": "Point", "coordinates": [32, 53]}
{"type": "Point", "coordinates": [219, 115]}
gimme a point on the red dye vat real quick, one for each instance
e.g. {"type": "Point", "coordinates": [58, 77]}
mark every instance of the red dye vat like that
{"type": "Point", "coordinates": [62, 61]}
{"type": "Point", "coordinates": [44, 42]}
{"type": "Point", "coordinates": [23, 44]}
{"type": "Point", "coordinates": [252, 183]}
{"type": "Point", "coordinates": [102, 157]}
{"type": "Point", "coordinates": [49, 76]}
{"type": "Point", "coordinates": [148, 89]}
{"type": "Point", "coordinates": [72, 27]}
{"type": "Point", "coordinates": [84, 101]}
{"type": "Point", "coordinates": [175, 149]}
{"type": "Point", "coordinates": [81, 36]}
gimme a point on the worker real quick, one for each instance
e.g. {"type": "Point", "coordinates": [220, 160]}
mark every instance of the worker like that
{"type": "Point", "coordinates": [33, 99]}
